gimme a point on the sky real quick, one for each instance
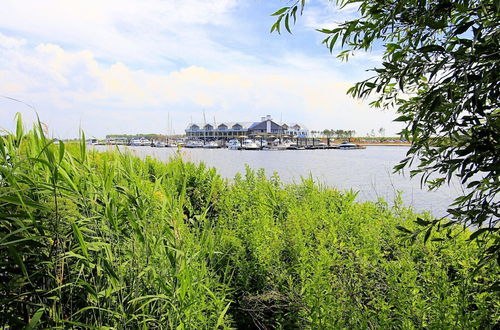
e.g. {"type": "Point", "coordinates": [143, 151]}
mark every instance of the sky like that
{"type": "Point", "coordinates": [153, 66]}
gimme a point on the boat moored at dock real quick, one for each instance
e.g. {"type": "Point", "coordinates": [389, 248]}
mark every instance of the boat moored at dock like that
{"type": "Point", "coordinates": [250, 145]}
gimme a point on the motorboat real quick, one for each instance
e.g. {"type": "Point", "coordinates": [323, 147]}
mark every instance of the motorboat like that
{"type": "Point", "coordinates": [194, 144]}
{"type": "Point", "coordinates": [233, 144]}
{"type": "Point", "coordinates": [212, 145]}
{"type": "Point", "coordinates": [158, 144]}
{"type": "Point", "coordinates": [250, 145]}
{"type": "Point", "coordinates": [262, 143]}
{"type": "Point", "coordinates": [348, 146]}
{"type": "Point", "coordinates": [281, 146]}
{"type": "Point", "coordinates": [140, 142]}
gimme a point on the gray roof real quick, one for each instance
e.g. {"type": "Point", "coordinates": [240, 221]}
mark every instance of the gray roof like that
{"type": "Point", "coordinates": [245, 125]}
{"type": "Point", "coordinates": [229, 124]}
{"type": "Point", "coordinates": [290, 125]}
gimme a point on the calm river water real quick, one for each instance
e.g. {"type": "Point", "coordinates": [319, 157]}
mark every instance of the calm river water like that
{"type": "Point", "coordinates": [368, 171]}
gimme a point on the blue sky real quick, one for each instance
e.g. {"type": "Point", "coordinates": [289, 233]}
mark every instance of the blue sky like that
{"type": "Point", "coordinates": [125, 66]}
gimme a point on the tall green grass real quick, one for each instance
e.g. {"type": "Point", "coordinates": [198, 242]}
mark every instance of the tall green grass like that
{"type": "Point", "coordinates": [106, 240]}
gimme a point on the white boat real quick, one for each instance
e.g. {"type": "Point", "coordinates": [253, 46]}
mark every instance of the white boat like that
{"type": "Point", "coordinates": [250, 145]}
{"type": "Point", "coordinates": [233, 144]}
{"type": "Point", "coordinates": [262, 143]}
{"type": "Point", "coordinates": [348, 146]}
{"type": "Point", "coordinates": [140, 142]}
{"type": "Point", "coordinates": [159, 144]}
{"type": "Point", "coordinates": [281, 146]}
{"type": "Point", "coordinates": [211, 145]}
{"type": "Point", "coordinates": [194, 144]}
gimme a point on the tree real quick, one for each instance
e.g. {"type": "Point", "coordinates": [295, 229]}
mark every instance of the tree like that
{"type": "Point", "coordinates": [440, 71]}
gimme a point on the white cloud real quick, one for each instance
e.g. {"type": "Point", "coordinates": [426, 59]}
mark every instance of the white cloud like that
{"type": "Point", "coordinates": [8, 42]}
{"type": "Point", "coordinates": [121, 65]}
{"type": "Point", "coordinates": [149, 31]}
{"type": "Point", "coordinates": [326, 14]}
{"type": "Point", "coordinates": [72, 87]}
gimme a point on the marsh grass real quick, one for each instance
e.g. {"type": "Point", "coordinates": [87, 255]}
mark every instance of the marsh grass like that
{"type": "Point", "coordinates": [106, 240]}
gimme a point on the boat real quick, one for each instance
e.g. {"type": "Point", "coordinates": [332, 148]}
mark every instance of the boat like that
{"type": "Point", "coordinates": [262, 143]}
{"type": "Point", "coordinates": [158, 144]}
{"type": "Point", "coordinates": [194, 144]}
{"type": "Point", "coordinates": [348, 146]}
{"type": "Point", "coordinates": [250, 145]}
{"type": "Point", "coordinates": [233, 144]}
{"type": "Point", "coordinates": [212, 145]}
{"type": "Point", "coordinates": [140, 142]}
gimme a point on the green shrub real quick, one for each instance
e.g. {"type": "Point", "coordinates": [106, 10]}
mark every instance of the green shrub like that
{"type": "Point", "coordinates": [91, 239]}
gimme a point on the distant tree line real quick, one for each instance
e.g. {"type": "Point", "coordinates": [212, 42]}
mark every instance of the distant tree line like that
{"type": "Point", "coordinates": [334, 133]}
{"type": "Point", "coordinates": [132, 136]}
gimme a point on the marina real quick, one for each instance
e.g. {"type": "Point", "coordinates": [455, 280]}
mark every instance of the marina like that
{"type": "Point", "coordinates": [266, 134]}
{"type": "Point", "coordinates": [241, 143]}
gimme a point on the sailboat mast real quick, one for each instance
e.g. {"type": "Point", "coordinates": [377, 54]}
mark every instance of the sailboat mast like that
{"type": "Point", "coordinates": [204, 127]}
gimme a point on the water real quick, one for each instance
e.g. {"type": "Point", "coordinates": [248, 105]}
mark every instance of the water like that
{"type": "Point", "coordinates": [368, 171]}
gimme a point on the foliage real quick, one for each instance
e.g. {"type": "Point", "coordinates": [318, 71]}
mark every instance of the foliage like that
{"type": "Point", "coordinates": [440, 71]}
{"type": "Point", "coordinates": [106, 240]}
{"type": "Point", "coordinates": [103, 240]}
{"type": "Point", "coordinates": [339, 133]}
{"type": "Point", "coordinates": [149, 136]}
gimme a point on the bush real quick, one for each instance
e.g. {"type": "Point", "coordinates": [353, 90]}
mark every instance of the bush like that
{"type": "Point", "coordinates": [92, 239]}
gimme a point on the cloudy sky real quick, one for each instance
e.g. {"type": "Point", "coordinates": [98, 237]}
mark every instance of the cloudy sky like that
{"type": "Point", "coordinates": [125, 66]}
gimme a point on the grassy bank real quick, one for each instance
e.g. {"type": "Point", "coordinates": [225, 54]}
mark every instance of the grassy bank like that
{"type": "Point", "coordinates": [93, 239]}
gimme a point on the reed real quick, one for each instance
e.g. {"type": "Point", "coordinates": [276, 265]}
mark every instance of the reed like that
{"type": "Point", "coordinates": [106, 240]}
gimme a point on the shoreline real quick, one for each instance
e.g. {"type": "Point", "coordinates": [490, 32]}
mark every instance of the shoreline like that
{"type": "Point", "coordinates": [385, 144]}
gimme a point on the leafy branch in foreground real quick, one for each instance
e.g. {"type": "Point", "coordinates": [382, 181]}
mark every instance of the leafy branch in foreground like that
{"type": "Point", "coordinates": [440, 72]}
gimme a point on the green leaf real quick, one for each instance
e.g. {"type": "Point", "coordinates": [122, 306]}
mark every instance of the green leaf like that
{"type": "Point", "coordinates": [281, 11]}
{"type": "Point", "coordinates": [333, 41]}
{"type": "Point", "coordinates": [220, 320]}
{"type": "Point", "coordinates": [79, 238]}
{"type": "Point", "coordinates": [35, 319]}
{"type": "Point", "coordinates": [16, 200]}
{"type": "Point", "coordinates": [427, 234]}
{"type": "Point", "coordinates": [287, 26]}
{"type": "Point", "coordinates": [422, 222]}
{"type": "Point", "coordinates": [480, 232]}
{"type": "Point", "coordinates": [19, 129]}
{"type": "Point", "coordinates": [461, 28]}
{"type": "Point", "coordinates": [61, 151]}
{"type": "Point", "coordinates": [431, 48]}
{"type": "Point", "coordinates": [404, 230]}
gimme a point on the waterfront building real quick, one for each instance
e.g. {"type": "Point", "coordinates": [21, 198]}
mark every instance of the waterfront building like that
{"type": "Point", "coordinates": [295, 129]}
{"type": "Point", "coordinates": [229, 130]}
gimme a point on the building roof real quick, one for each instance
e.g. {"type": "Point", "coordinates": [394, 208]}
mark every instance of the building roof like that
{"type": "Point", "coordinates": [245, 125]}
{"type": "Point", "coordinates": [290, 125]}
{"type": "Point", "coordinates": [229, 124]}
